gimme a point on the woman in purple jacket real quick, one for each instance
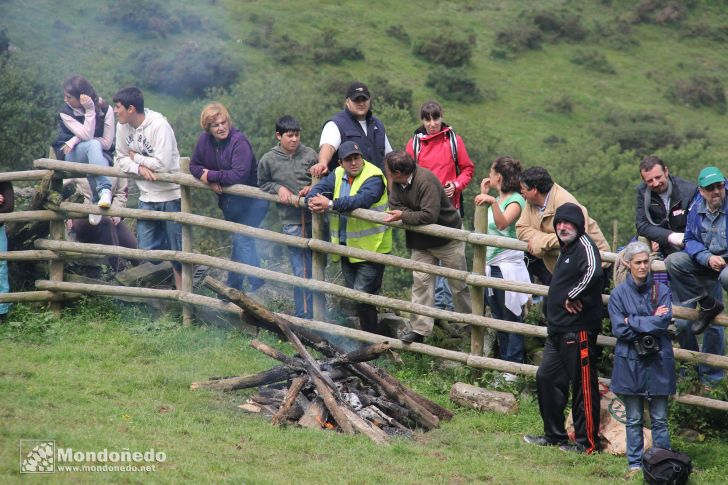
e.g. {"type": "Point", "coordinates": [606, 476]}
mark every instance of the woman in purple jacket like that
{"type": "Point", "coordinates": [223, 156]}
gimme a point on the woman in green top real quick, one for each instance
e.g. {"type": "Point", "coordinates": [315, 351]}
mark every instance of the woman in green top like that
{"type": "Point", "coordinates": [503, 212]}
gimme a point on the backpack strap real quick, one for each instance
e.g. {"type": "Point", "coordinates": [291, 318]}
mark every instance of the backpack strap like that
{"type": "Point", "coordinates": [454, 150]}
{"type": "Point", "coordinates": [416, 146]}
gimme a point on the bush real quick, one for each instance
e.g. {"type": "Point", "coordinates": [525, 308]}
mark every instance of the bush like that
{"type": "Point", "coordinates": [642, 132]}
{"type": "Point", "coordinates": [698, 91]}
{"type": "Point", "coordinates": [564, 105]}
{"type": "Point", "coordinates": [446, 48]}
{"type": "Point", "coordinates": [454, 85]}
{"type": "Point", "coordinates": [594, 61]}
{"type": "Point", "coordinates": [660, 12]}
{"type": "Point", "coordinates": [385, 92]}
{"type": "Point", "coordinates": [519, 38]}
{"type": "Point", "coordinates": [328, 50]}
{"type": "Point", "coordinates": [188, 70]}
{"type": "Point", "coordinates": [4, 41]}
{"type": "Point", "coordinates": [398, 32]}
{"type": "Point", "coordinates": [151, 18]}
{"type": "Point", "coordinates": [560, 25]}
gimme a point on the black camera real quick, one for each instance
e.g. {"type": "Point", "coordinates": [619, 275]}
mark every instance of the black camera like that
{"type": "Point", "coordinates": [646, 345]}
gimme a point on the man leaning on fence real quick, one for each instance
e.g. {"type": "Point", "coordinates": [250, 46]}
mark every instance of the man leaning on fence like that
{"type": "Point", "coordinates": [356, 184]}
{"type": "Point", "coordinates": [694, 271]}
{"type": "Point", "coordinates": [417, 198]}
{"type": "Point", "coordinates": [146, 145]}
{"type": "Point", "coordinates": [574, 319]}
{"type": "Point", "coordinates": [284, 171]}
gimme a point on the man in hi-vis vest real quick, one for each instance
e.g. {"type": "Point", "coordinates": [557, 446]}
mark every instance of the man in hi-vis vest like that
{"type": "Point", "coordinates": [356, 184]}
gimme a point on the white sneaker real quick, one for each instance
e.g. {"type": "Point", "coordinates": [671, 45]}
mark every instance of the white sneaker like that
{"type": "Point", "coordinates": [105, 199]}
{"type": "Point", "coordinates": [508, 377]}
{"type": "Point", "coordinates": [94, 219]}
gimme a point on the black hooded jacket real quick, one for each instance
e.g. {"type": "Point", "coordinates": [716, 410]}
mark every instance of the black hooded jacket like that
{"type": "Point", "coordinates": [577, 276]}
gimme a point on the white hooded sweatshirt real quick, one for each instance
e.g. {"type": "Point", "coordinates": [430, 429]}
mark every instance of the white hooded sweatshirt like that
{"type": "Point", "coordinates": [156, 148]}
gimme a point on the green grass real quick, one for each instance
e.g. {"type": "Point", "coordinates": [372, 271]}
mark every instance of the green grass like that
{"type": "Point", "coordinates": [103, 376]}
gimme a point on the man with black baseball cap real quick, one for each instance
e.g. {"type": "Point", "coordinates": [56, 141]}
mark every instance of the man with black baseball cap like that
{"type": "Point", "coordinates": [703, 261]}
{"type": "Point", "coordinates": [354, 123]}
{"type": "Point", "coordinates": [356, 184]}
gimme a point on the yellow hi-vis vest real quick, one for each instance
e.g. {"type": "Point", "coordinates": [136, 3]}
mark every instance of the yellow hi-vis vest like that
{"type": "Point", "coordinates": [362, 234]}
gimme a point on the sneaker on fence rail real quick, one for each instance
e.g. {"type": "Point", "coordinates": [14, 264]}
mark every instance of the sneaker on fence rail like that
{"type": "Point", "coordinates": [508, 377]}
{"type": "Point", "coordinates": [94, 219]}
{"type": "Point", "coordinates": [105, 199]}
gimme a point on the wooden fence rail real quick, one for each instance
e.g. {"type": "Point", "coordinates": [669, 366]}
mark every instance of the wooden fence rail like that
{"type": "Point", "coordinates": [56, 251]}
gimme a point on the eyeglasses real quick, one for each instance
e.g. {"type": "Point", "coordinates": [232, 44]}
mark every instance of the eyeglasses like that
{"type": "Point", "coordinates": [714, 187]}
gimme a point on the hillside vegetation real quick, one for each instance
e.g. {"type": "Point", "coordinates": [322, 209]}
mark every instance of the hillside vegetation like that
{"type": "Point", "coordinates": [583, 88]}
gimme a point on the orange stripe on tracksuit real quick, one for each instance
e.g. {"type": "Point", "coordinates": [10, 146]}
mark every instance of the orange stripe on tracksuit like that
{"type": "Point", "coordinates": [586, 390]}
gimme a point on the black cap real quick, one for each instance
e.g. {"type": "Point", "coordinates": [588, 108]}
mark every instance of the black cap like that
{"type": "Point", "coordinates": [358, 90]}
{"type": "Point", "coordinates": [348, 148]}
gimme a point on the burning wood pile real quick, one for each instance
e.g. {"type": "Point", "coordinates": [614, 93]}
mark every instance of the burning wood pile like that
{"type": "Point", "coordinates": [342, 391]}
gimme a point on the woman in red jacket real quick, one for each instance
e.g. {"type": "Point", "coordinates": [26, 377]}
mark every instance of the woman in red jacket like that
{"type": "Point", "coordinates": [436, 147]}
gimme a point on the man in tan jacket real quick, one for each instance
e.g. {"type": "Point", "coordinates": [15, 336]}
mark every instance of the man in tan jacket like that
{"type": "Point", "coordinates": [536, 224]}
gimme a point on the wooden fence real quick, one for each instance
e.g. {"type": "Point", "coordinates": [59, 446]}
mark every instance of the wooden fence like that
{"type": "Point", "coordinates": [56, 251]}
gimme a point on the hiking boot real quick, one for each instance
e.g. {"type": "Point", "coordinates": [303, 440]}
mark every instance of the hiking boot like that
{"type": "Point", "coordinates": [574, 447]}
{"type": "Point", "coordinates": [709, 309]}
{"type": "Point", "coordinates": [411, 337]}
{"type": "Point", "coordinates": [105, 199]}
{"type": "Point", "coordinates": [539, 440]}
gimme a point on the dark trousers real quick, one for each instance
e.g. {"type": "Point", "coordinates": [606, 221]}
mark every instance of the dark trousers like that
{"type": "Point", "coordinates": [105, 233]}
{"type": "Point", "coordinates": [367, 277]}
{"type": "Point", "coordinates": [569, 359]}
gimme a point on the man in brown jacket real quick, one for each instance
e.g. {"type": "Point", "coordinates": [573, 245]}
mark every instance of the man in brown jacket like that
{"type": "Point", "coordinates": [417, 197]}
{"type": "Point", "coordinates": [536, 224]}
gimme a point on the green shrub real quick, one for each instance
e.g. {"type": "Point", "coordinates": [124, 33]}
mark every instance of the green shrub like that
{"type": "Point", "coordinates": [447, 48]}
{"type": "Point", "coordinates": [188, 70]}
{"type": "Point", "coordinates": [454, 84]}
{"type": "Point", "coordinates": [519, 38]}
{"type": "Point", "coordinates": [594, 61]}
{"type": "Point", "coordinates": [661, 12]}
{"type": "Point", "coordinates": [388, 93]}
{"type": "Point", "coordinates": [4, 41]}
{"type": "Point", "coordinates": [563, 104]}
{"type": "Point", "coordinates": [328, 50]}
{"type": "Point", "coordinates": [698, 91]}
{"type": "Point", "coordinates": [148, 16]}
{"type": "Point", "coordinates": [642, 132]}
{"type": "Point", "coordinates": [560, 25]}
{"type": "Point", "coordinates": [398, 32]}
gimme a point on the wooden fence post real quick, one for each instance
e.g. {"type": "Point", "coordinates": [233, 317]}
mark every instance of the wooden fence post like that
{"type": "Point", "coordinates": [187, 268]}
{"type": "Point", "coordinates": [318, 261]}
{"type": "Point", "coordinates": [477, 293]}
{"type": "Point", "coordinates": [57, 233]}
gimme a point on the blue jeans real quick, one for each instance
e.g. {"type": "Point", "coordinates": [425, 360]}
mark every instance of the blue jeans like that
{"type": "Point", "coordinates": [91, 152]}
{"type": "Point", "coordinates": [443, 295]}
{"type": "Point", "coordinates": [153, 234]}
{"type": "Point", "coordinates": [634, 405]}
{"type": "Point", "coordinates": [301, 265]}
{"type": "Point", "coordinates": [510, 344]}
{"type": "Point", "coordinates": [689, 282]}
{"type": "Point", "coordinates": [4, 284]}
{"type": "Point", "coordinates": [249, 212]}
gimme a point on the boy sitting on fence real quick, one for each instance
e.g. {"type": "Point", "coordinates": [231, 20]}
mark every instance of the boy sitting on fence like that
{"type": "Point", "coordinates": [284, 171]}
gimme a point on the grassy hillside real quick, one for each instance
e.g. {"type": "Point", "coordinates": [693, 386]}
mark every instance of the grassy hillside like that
{"type": "Point", "coordinates": [600, 76]}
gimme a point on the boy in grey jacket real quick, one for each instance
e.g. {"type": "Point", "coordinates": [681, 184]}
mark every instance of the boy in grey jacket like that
{"type": "Point", "coordinates": [284, 171]}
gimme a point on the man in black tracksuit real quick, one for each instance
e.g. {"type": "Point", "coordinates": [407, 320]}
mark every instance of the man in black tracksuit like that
{"type": "Point", "coordinates": [574, 314]}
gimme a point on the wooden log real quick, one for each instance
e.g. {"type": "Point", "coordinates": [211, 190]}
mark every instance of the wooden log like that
{"type": "Point", "coordinates": [483, 399]}
{"type": "Point", "coordinates": [57, 232]}
{"type": "Point", "coordinates": [187, 268]}
{"type": "Point", "coordinates": [422, 416]}
{"type": "Point", "coordinates": [283, 411]}
{"type": "Point", "coordinates": [314, 416]}
{"type": "Point", "coordinates": [364, 427]}
{"type": "Point", "coordinates": [274, 353]}
{"type": "Point", "coordinates": [270, 376]}
{"type": "Point", "coordinates": [318, 261]}
{"type": "Point", "coordinates": [364, 354]}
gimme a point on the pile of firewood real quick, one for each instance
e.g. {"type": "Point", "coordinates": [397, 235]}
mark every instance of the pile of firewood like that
{"type": "Point", "coordinates": [342, 391]}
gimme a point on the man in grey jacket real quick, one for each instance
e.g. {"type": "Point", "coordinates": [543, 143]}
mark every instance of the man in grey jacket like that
{"type": "Point", "coordinates": [284, 171]}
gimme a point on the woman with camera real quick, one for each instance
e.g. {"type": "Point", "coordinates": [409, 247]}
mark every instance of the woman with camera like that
{"type": "Point", "coordinates": [644, 366]}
